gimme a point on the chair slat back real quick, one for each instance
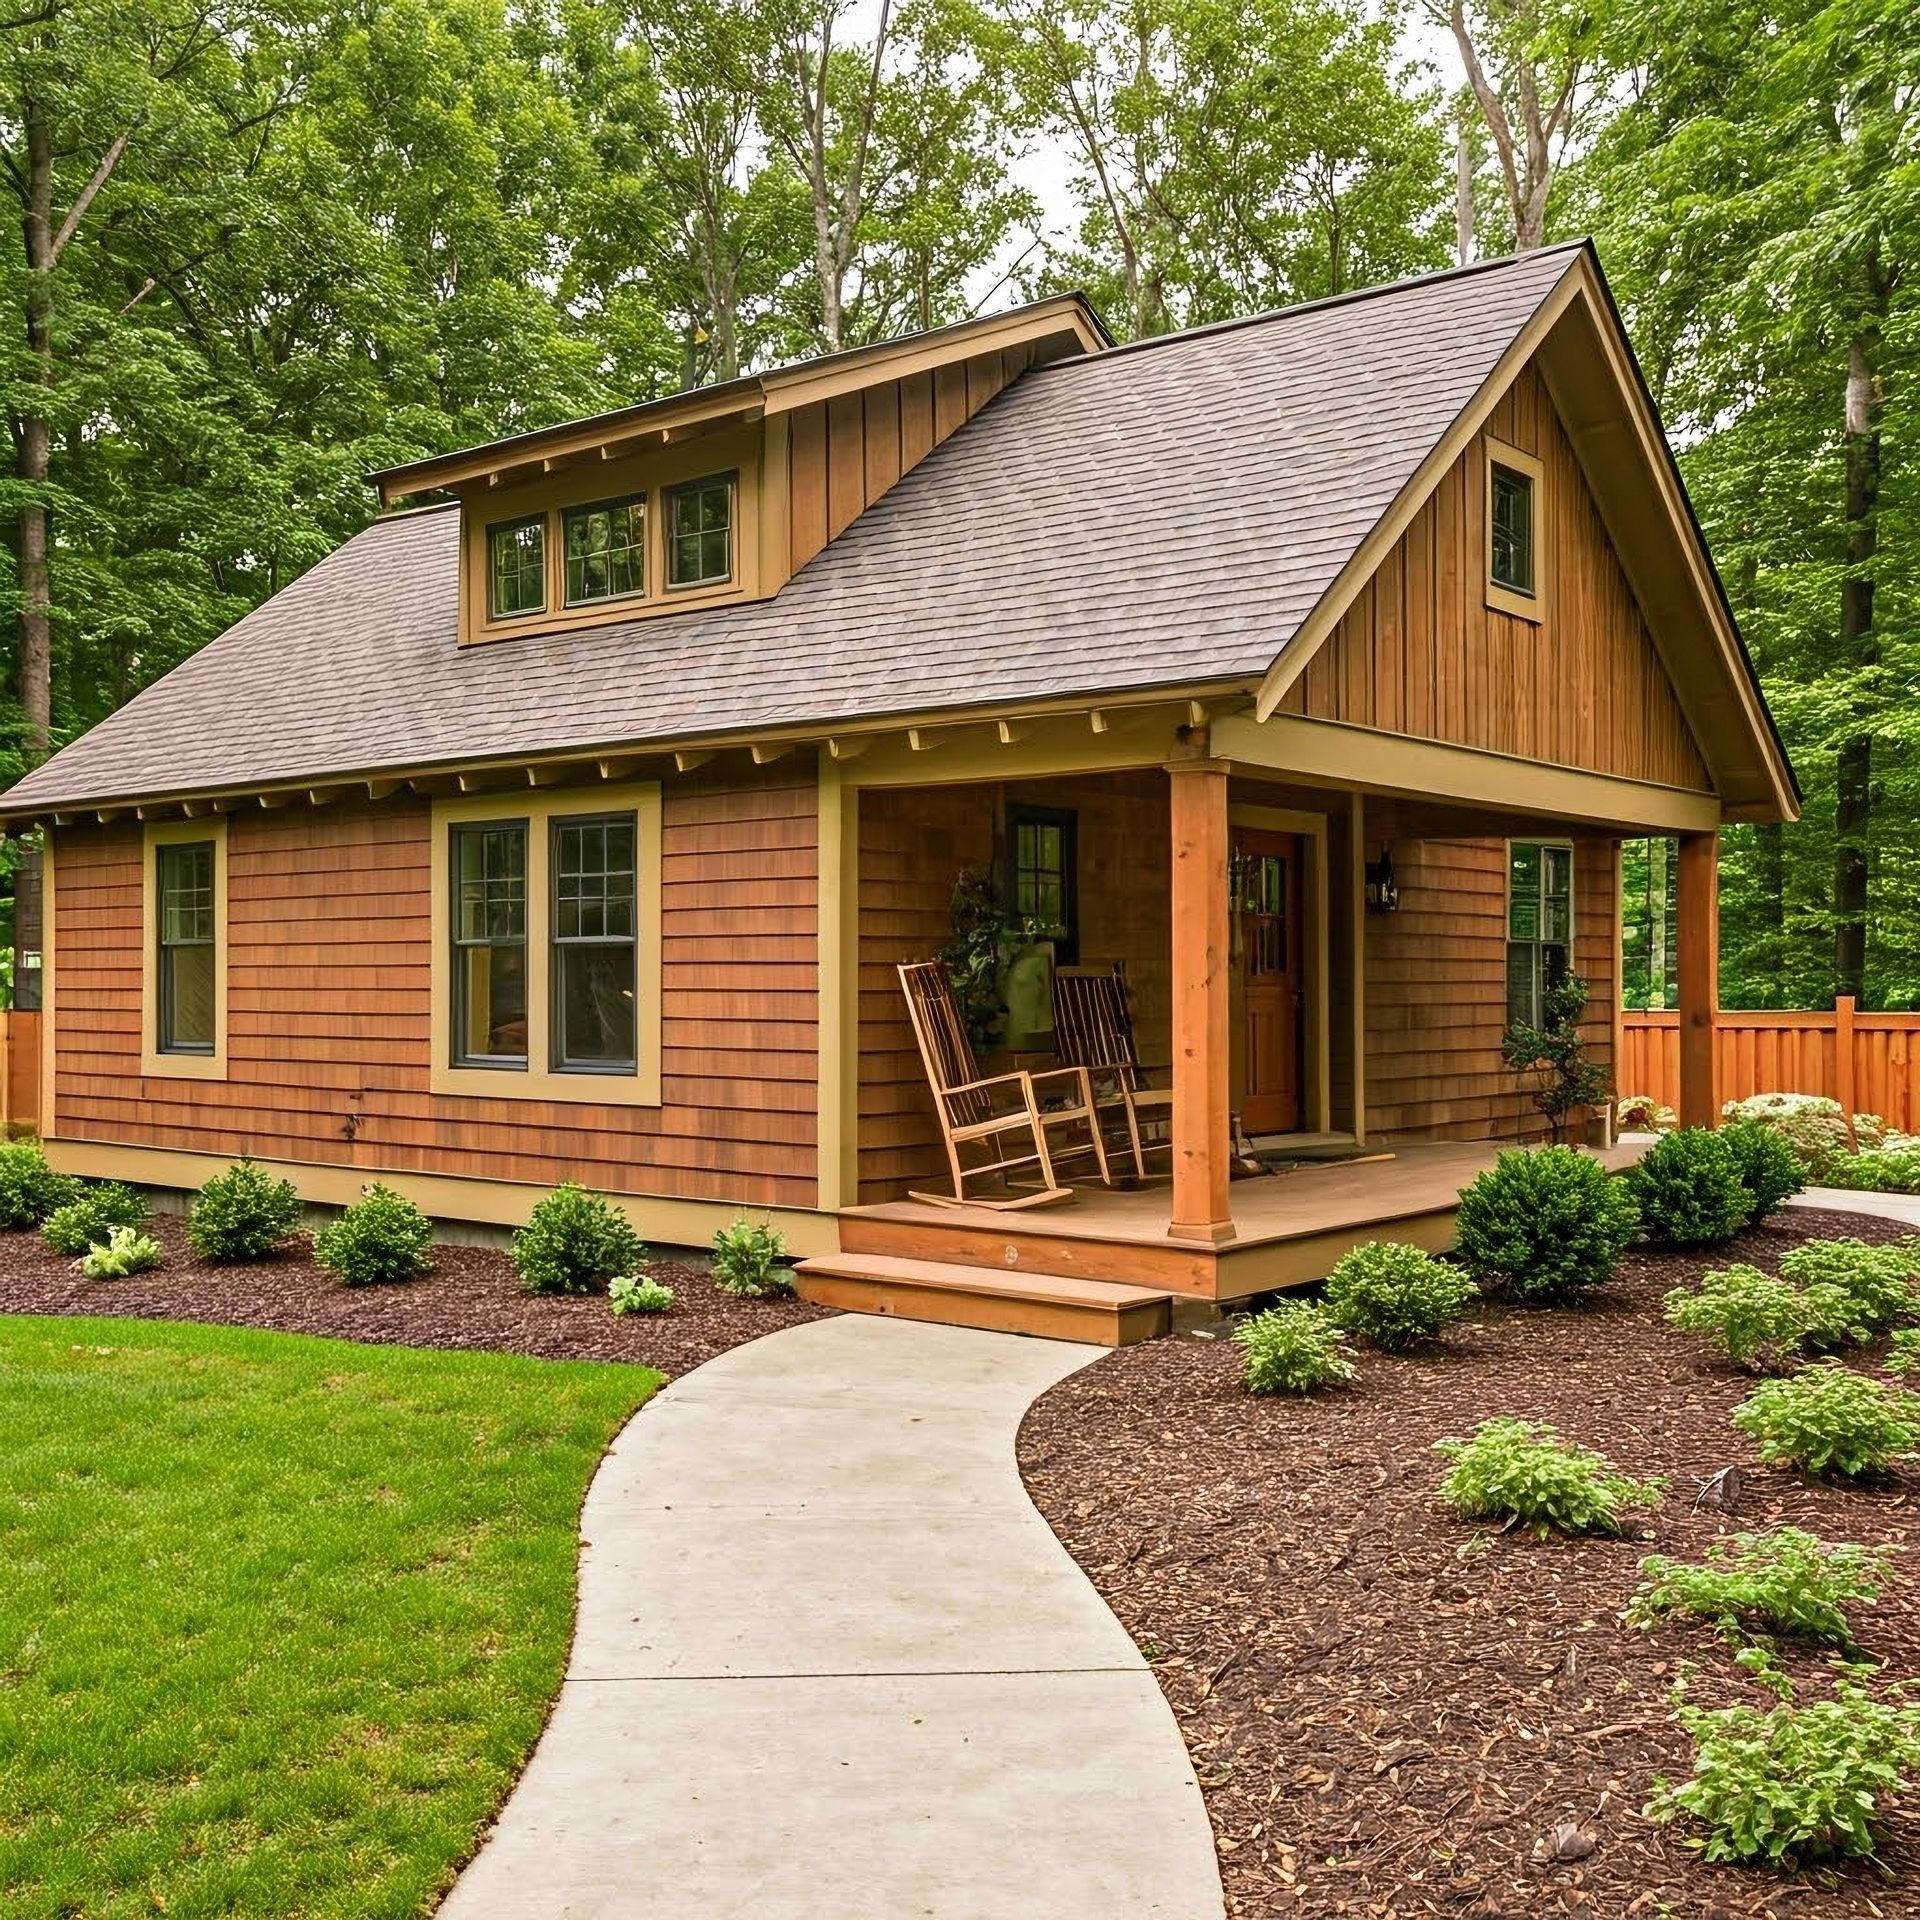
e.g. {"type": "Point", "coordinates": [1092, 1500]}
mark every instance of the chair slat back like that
{"type": "Point", "coordinates": [1092, 1023]}
{"type": "Point", "coordinates": [945, 1051]}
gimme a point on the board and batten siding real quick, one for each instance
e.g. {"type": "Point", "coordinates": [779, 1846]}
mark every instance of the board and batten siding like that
{"type": "Point", "coordinates": [329, 949]}
{"type": "Point", "coordinates": [1436, 985]}
{"type": "Point", "coordinates": [1420, 652]}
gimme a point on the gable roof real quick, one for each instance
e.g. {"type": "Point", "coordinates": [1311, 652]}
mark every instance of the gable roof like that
{"type": "Point", "coordinates": [1167, 515]}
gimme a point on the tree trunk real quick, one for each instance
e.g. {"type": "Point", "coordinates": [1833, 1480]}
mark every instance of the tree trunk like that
{"type": "Point", "coordinates": [1463, 192]}
{"type": "Point", "coordinates": [1853, 781]}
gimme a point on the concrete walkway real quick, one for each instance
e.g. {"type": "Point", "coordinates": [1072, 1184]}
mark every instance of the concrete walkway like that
{"type": "Point", "coordinates": [831, 1664]}
{"type": "Point", "coordinates": [1889, 1206]}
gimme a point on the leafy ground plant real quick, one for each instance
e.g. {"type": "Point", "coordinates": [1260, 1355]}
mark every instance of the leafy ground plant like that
{"type": "Point", "coordinates": [1904, 1356]}
{"type": "Point", "coordinates": [1545, 1223]}
{"type": "Point", "coordinates": [1689, 1189]}
{"type": "Point", "coordinates": [242, 1214]}
{"type": "Point", "coordinates": [1750, 1318]}
{"type": "Point", "coordinates": [1522, 1473]}
{"type": "Point", "coordinates": [746, 1259]}
{"type": "Point", "coordinates": [124, 1250]}
{"type": "Point", "coordinates": [30, 1189]}
{"type": "Point", "coordinates": [639, 1293]}
{"type": "Point", "coordinates": [1889, 1169]}
{"type": "Point", "coordinates": [1295, 1347]}
{"type": "Point", "coordinates": [1788, 1581]}
{"type": "Point", "coordinates": [575, 1242]}
{"type": "Point", "coordinates": [86, 1220]}
{"type": "Point", "coordinates": [1829, 1420]}
{"type": "Point", "coordinates": [382, 1238]}
{"type": "Point", "coordinates": [1796, 1781]}
{"type": "Point", "coordinates": [1394, 1296]}
{"type": "Point", "coordinates": [1882, 1283]}
{"type": "Point", "coordinates": [282, 1616]}
{"type": "Point", "coordinates": [1814, 1127]}
{"type": "Point", "coordinates": [1768, 1167]}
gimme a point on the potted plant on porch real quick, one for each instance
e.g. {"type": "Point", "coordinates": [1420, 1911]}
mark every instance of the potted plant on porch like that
{"type": "Point", "coordinates": [1555, 1054]}
{"type": "Point", "coordinates": [999, 962]}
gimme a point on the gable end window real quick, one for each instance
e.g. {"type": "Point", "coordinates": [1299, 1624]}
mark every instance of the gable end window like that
{"type": "Point", "coordinates": [1516, 551]}
{"type": "Point", "coordinates": [517, 568]}
{"type": "Point", "coordinates": [606, 551]}
{"type": "Point", "coordinates": [700, 532]}
{"type": "Point", "coordinates": [184, 889]}
{"type": "Point", "coordinates": [1539, 926]}
{"type": "Point", "coordinates": [1043, 871]}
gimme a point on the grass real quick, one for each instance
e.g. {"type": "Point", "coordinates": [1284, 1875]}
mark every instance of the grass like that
{"type": "Point", "coordinates": [280, 1617]}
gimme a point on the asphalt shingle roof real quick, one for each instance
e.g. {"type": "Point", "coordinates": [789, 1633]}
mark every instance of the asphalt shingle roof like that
{"type": "Point", "coordinates": [1154, 516]}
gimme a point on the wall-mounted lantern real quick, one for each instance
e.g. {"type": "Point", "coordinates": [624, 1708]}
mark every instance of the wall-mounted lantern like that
{"type": "Point", "coordinates": [1383, 893]}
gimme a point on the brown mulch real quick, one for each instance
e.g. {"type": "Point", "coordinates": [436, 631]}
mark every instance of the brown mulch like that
{"type": "Point", "coordinates": [471, 1301]}
{"type": "Point", "coordinates": [1392, 1713]}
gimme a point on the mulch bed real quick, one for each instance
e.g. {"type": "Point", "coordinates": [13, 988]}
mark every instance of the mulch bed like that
{"type": "Point", "coordinates": [1391, 1712]}
{"type": "Point", "coordinates": [470, 1301]}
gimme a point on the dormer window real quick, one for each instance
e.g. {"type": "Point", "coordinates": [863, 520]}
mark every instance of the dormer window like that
{"type": "Point", "coordinates": [606, 548]}
{"type": "Point", "coordinates": [517, 568]}
{"type": "Point", "coordinates": [700, 532]}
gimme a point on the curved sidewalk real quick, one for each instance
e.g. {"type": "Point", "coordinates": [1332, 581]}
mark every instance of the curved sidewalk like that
{"type": "Point", "coordinates": [831, 1665]}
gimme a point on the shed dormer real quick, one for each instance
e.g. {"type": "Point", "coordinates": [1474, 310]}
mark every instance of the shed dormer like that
{"type": "Point", "coordinates": [722, 493]}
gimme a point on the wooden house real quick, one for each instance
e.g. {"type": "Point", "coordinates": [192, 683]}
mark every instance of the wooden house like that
{"type": "Point", "coordinates": [1313, 666]}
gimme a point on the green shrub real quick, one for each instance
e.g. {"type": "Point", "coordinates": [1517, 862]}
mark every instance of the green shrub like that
{"type": "Point", "coordinates": [1768, 1167]}
{"type": "Point", "coordinates": [1881, 1282]}
{"type": "Point", "coordinates": [1782, 1582]}
{"type": "Point", "coordinates": [242, 1214]}
{"type": "Point", "coordinates": [1750, 1318]}
{"type": "Point", "coordinates": [86, 1221]}
{"type": "Point", "coordinates": [1878, 1170]}
{"type": "Point", "coordinates": [575, 1242]}
{"type": "Point", "coordinates": [382, 1237]}
{"type": "Point", "coordinates": [1294, 1347]}
{"type": "Point", "coordinates": [30, 1189]}
{"type": "Point", "coordinates": [1831, 1421]}
{"type": "Point", "coordinates": [1523, 1473]}
{"type": "Point", "coordinates": [1905, 1357]}
{"type": "Point", "coordinates": [1392, 1296]}
{"type": "Point", "coordinates": [746, 1257]}
{"type": "Point", "coordinates": [1545, 1223]}
{"type": "Point", "coordinates": [639, 1293]}
{"type": "Point", "coordinates": [1689, 1189]}
{"type": "Point", "coordinates": [1814, 1127]}
{"type": "Point", "coordinates": [1800, 1779]}
{"type": "Point", "coordinates": [126, 1250]}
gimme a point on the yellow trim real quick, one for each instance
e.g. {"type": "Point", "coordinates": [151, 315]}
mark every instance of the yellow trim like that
{"type": "Point", "coordinates": [540, 1081]}
{"type": "Point", "coordinates": [969, 751]}
{"type": "Point", "coordinates": [49, 1060]}
{"type": "Point", "coordinates": [1357, 907]}
{"type": "Point", "coordinates": [1501, 453]}
{"type": "Point", "coordinates": [830, 1091]}
{"type": "Point", "coordinates": [1319, 956]}
{"type": "Point", "coordinates": [181, 1066]}
{"type": "Point", "coordinates": [651, 476]}
{"type": "Point", "coordinates": [661, 1218]}
{"type": "Point", "coordinates": [1333, 752]}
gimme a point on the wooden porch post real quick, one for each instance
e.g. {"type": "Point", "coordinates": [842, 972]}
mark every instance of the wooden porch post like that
{"type": "Point", "coordinates": [1201, 986]}
{"type": "Point", "coordinates": [1698, 914]}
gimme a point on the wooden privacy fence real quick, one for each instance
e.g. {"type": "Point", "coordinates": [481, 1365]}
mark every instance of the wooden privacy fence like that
{"type": "Point", "coordinates": [19, 1072]}
{"type": "Point", "coordinates": [1869, 1062]}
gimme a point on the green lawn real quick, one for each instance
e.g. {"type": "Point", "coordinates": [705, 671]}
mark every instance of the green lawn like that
{"type": "Point", "coordinates": [279, 1617]}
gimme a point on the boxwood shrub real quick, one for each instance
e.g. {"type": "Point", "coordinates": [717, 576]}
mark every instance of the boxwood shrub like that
{"type": "Point", "coordinates": [383, 1237]}
{"type": "Point", "coordinates": [242, 1214]}
{"type": "Point", "coordinates": [1545, 1223]}
{"type": "Point", "coordinates": [1768, 1167]}
{"type": "Point", "coordinates": [30, 1189]}
{"type": "Point", "coordinates": [575, 1242]}
{"type": "Point", "coordinates": [1393, 1296]}
{"type": "Point", "coordinates": [86, 1220]}
{"type": "Point", "coordinates": [1689, 1189]}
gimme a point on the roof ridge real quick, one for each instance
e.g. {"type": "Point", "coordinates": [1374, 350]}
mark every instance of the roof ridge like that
{"type": "Point", "coordinates": [1349, 298]}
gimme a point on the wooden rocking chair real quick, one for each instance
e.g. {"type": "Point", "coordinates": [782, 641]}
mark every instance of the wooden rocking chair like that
{"type": "Point", "coordinates": [1001, 1115]}
{"type": "Point", "coordinates": [1093, 1028]}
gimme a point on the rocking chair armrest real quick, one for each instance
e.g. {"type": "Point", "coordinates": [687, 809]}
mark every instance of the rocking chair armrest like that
{"type": "Point", "coordinates": [1019, 1077]}
{"type": "Point", "coordinates": [1080, 1075]}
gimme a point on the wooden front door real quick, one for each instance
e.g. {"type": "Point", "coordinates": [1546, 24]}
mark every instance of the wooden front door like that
{"type": "Point", "coordinates": [1268, 938]}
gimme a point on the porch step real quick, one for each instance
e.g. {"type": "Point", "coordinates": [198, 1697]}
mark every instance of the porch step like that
{"type": "Point", "coordinates": [1052, 1306]}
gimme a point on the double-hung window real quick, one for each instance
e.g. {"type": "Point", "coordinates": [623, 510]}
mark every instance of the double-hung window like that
{"type": "Point", "coordinates": [490, 944]}
{"type": "Point", "coordinates": [1539, 925]}
{"type": "Point", "coordinates": [1043, 863]}
{"type": "Point", "coordinates": [593, 933]}
{"type": "Point", "coordinates": [185, 957]}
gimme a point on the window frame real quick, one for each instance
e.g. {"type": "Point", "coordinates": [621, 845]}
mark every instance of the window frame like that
{"type": "Point", "coordinates": [559, 944]}
{"type": "Point", "coordinates": [669, 496]}
{"type": "Point", "coordinates": [459, 943]}
{"type": "Point", "coordinates": [541, 1078]}
{"type": "Point", "coordinates": [579, 511]}
{"type": "Point", "coordinates": [1524, 605]}
{"type": "Point", "coordinates": [1539, 943]}
{"type": "Point", "coordinates": [495, 617]}
{"type": "Point", "coordinates": [1066, 939]}
{"type": "Point", "coordinates": [155, 1058]}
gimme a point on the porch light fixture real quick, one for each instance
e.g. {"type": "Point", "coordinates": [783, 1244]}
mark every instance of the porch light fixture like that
{"type": "Point", "coordinates": [1383, 893]}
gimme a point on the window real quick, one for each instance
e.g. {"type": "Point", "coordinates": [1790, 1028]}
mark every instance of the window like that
{"type": "Point", "coordinates": [606, 551]}
{"type": "Point", "coordinates": [1044, 863]}
{"type": "Point", "coordinates": [490, 944]}
{"type": "Point", "coordinates": [700, 532]}
{"type": "Point", "coordinates": [547, 971]}
{"type": "Point", "coordinates": [1539, 926]}
{"type": "Point", "coordinates": [186, 959]}
{"type": "Point", "coordinates": [1511, 565]}
{"type": "Point", "coordinates": [517, 568]}
{"type": "Point", "coordinates": [593, 944]}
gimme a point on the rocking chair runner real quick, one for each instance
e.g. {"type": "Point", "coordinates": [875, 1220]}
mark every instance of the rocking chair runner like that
{"type": "Point", "coordinates": [1093, 1028]}
{"type": "Point", "coordinates": [997, 1115]}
